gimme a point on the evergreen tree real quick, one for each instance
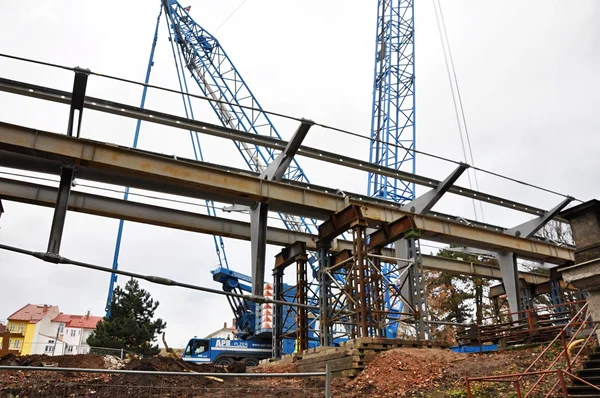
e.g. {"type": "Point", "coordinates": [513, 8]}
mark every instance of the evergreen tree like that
{"type": "Point", "coordinates": [130, 325]}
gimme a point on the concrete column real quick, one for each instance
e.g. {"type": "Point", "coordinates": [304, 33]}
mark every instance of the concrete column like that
{"type": "Point", "coordinates": [585, 274]}
{"type": "Point", "coordinates": [594, 308]}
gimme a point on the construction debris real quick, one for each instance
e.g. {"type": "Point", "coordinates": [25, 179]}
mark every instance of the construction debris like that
{"type": "Point", "coordinates": [112, 362]}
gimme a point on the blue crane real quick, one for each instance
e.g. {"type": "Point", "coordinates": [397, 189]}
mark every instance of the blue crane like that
{"type": "Point", "coordinates": [393, 113]}
{"type": "Point", "coordinates": [199, 53]}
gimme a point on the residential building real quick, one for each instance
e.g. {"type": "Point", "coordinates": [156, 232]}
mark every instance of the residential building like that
{"type": "Point", "coordinates": [43, 329]}
{"type": "Point", "coordinates": [30, 327]}
{"type": "Point", "coordinates": [224, 333]}
{"type": "Point", "coordinates": [2, 330]}
{"type": "Point", "coordinates": [73, 331]}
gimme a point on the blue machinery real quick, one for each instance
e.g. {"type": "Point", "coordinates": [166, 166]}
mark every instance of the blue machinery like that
{"type": "Point", "coordinates": [197, 52]}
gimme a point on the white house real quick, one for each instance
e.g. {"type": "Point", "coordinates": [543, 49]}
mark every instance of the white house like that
{"type": "Point", "coordinates": [72, 332]}
{"type": "Point", "coordinates": [224, 333]}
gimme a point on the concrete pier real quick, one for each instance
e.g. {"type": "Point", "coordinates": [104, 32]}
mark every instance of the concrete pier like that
{"type": "Point", "coordinates": [585, 274]}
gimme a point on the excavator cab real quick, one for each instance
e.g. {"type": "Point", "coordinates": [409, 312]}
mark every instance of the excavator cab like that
{"type": "Point", "coordinates": [197, 350]}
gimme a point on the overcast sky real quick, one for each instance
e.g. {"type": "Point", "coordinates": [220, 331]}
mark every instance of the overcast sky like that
{"type": "Point", "coordinates": [528, 74]}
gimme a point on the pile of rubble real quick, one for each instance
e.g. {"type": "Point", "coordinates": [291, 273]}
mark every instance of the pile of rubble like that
{"type": "Point", "coordinates": [396, 371]}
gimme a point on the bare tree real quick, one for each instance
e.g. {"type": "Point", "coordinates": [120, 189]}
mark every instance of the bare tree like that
{"type": "Point", "coordinates": [558, 232]}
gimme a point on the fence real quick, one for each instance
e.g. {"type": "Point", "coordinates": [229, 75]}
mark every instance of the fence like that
{"type": "Point", "coordinates": [55, 348]}
{"type": "Point", "coordinates": [541, 384]}
{"type": "Point", "coordinates": [38, 382]}
{"type": "Point", "coordinates": [533, 325]}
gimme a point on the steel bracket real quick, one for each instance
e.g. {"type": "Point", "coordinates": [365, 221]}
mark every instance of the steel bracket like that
{"type": "Point", "coordinates": [277, 168]}
{"type": "Point", "coordinates": [424, 203]}
{"type": "Point", "coordinates": [77, 99]}
{"type": "Point", "coordinates": [529, 228]}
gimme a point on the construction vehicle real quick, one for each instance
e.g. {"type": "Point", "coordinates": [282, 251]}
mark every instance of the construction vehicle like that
{"type": "Point", "coordinates": [225, 352]}
{"type": "Point", "coordinates": [254, 322]}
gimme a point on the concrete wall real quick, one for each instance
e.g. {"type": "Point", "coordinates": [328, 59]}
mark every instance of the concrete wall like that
{"type": "Point", "coordinates": [585, 224]}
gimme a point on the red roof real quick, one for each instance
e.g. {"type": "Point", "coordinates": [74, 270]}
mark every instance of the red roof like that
{"type": "Point", "coordinates": [78, 321]}
{"type": "Point", "coordinates": [31, 313]}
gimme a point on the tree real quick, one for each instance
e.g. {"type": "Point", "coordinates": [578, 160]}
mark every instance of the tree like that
{"type": "Point", "coordinates": [130, 325]}
{"type": "Point", "coordinates": [558, 232]}
{"type": "Point", "coordinates": [457, 298]}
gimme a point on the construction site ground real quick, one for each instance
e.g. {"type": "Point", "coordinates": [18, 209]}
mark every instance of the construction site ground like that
{"type": "Point", "coordinates": [402, 372]}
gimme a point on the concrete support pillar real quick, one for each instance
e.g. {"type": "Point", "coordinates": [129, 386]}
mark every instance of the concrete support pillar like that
{"type": "Point", "coordinates": [585, 274]}
{"type": "Point", "coordinates": [510, 279]}
{"type": "Point", "coordinates": [593, 301]}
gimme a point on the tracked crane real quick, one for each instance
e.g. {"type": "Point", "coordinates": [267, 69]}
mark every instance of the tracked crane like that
{"type": "Point", "coordinates": [198, 53]}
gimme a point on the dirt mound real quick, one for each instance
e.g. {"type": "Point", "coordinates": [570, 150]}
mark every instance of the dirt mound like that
{"type": "Point", "coordinates": [9, 360]}
{"type": "Point", "coordinates": [392, 372]}
{"type": "Point", "coordinates": [167, 364]}
{"type": "Point", "coordinates": [274, 368]}
{"type": "Point", "coordinates": [63, 361]}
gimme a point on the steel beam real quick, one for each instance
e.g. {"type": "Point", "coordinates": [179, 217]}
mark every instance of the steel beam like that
{"type": "Point", "coordinates": [115, 108]}
{"type": "Point", "coordinates": [41, 195]}
{"type": "Point", "coordinates": [60, 210]}
{"type": "Point", "coordinates": [291, 254]}
{"type": "Point", "coordinates": [391, 232]}
{"type": "Point", "coordinates": [529, 228]}
{"type": "Point", "coordinates": [424, 203]}
{"type": "Point", "coordinates": [258, 242]}
{"type": "Point", "coordinates": [339, 222]}
{"type": "Point", "coordinates": [436, 263]}
{"type": "Point", "coordinates": [141, 169]}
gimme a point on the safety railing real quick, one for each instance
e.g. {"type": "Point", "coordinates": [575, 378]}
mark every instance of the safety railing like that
{"type": "Point", "coordinates": [36, 382]}
{"type": "Point", "coordinates": [533, 325]}
{"type": "Point", "coordinates": [572, 329]}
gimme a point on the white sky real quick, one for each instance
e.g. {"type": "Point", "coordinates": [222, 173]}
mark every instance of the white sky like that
{"type": "Point", "coordinates": [528, 79]}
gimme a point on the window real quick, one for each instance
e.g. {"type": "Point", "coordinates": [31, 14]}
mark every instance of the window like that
{"type": "Point", "coordinates": [197, 347]}
{"type": "Point", "coordinates": [50, 341]}
{"type": "Point", "coordinates": [73, 332]}
{"type": "Point", "coordinates": [11, 328]}
{"type": "Point", "coordinates": [70, 349]}
{"type": "Point", "coordinates": [20, 327]}
{"type": "Point", "coordinates": [16, 345]}
{"type": "Point", "coordinates": [61, 328]}
{"type": "Point", "coordinates": [48, 348]}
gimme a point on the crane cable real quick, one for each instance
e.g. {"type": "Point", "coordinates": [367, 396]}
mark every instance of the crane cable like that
{"type": "Point", "coordinates": [457, 100]}
{"type": "Point", "coordinates": [230, 15]}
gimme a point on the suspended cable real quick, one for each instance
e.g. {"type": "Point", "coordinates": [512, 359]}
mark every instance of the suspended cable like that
{"type": "Point", "coordinates": [230, 15]}
{"type": "Point", "coordinates": [195, 138]}
{"type": "Point", "coordinates": [57, 259]}
{"type": "Point", "coordinates": [416, 151]}
{"type": "Point", "coordinates": [458, 108]}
